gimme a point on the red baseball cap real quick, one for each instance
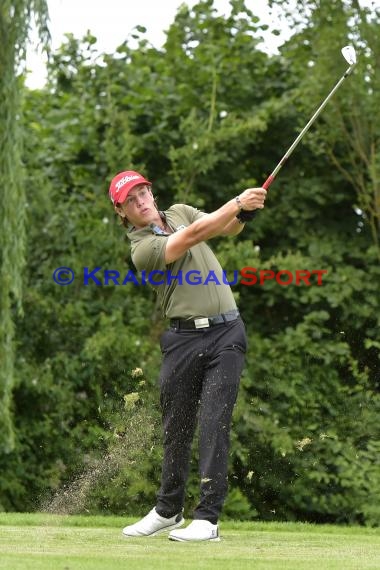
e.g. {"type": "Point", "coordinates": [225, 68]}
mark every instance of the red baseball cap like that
{"type": "Point", "coordinates": [122, 183]}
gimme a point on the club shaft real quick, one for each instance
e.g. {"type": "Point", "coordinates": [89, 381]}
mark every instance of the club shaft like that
{"type": "Point", "coordinates": [272, 176]}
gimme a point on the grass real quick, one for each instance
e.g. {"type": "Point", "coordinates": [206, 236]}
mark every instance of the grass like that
{"type": "Point", "coordinates": [59, 542]}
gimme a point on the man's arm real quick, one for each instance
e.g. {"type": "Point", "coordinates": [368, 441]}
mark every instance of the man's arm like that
{"type": "Point", "coordinates": [213, 224]}
{"type": "Point", "coordinates": [233, 228]}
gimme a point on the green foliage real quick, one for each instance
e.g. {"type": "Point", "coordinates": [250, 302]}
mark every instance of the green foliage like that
{"type": "Point", "coordinates": [349, 132]}
{"type": "Point", "coordinates": [15, 17]}
{"type": "Point", "coordinates": [205, 117]}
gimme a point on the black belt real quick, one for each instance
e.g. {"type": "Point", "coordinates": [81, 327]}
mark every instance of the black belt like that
{"type": "Point", "coordinates": [204, 322]}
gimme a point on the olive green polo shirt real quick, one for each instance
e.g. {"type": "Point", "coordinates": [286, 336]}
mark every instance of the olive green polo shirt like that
{"type": "Point", "coordinates": [179, 297]}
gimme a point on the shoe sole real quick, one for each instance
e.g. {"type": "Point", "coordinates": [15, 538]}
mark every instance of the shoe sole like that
{"type": "Point", "coordinates": [216, 539]}
{"type": "Point", "coordinates": [157, 532]}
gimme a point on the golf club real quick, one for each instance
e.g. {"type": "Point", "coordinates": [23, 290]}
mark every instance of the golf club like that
{"type": "Point", "coordinates": [349, 55]}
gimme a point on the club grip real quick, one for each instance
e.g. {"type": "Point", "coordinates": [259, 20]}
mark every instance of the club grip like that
{"type": "Point", "coordinates": [268, 182]}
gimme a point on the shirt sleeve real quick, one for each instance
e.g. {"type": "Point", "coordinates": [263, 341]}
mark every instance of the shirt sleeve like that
{"type": "Point", "coordinates": [191, 214]}
{"type": "Point", "coordinates": [149, 254]}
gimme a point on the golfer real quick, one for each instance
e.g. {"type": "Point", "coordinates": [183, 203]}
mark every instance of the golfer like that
{"type": "Point", "coordinates": [203, 348]}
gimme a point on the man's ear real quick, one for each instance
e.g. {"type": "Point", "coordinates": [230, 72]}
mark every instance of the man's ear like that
{"type": "Point", "coordinates": [119, 211]}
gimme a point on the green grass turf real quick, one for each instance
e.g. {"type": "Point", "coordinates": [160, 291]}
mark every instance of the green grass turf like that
{"type": "Point", "coordinates": [58, 542]}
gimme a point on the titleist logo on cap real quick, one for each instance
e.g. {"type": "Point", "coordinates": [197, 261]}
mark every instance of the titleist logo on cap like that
{"type": "Point", "coordinates": [124, 180]}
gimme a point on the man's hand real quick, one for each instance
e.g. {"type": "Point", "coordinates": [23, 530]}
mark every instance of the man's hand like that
{"type": "Point", "coordinates": [253, 198]}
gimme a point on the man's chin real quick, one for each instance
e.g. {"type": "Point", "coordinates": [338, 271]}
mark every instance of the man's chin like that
{"type": "Point", "coordinates": [147, 218]}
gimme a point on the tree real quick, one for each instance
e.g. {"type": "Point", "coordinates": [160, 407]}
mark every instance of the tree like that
{"type": "Point", "coordinates": [15, 20]}
{"type": "Point", "coordinates": [349, 131]}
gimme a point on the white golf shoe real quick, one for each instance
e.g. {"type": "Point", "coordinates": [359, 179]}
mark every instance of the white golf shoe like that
{"type": "Point", "coordinates": [196, 531]}
{"type": "Point", "coordinates": [153, 524]}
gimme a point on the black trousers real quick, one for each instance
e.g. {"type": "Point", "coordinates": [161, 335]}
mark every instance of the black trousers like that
{"type": "Point", "coordinates": [199, 379]}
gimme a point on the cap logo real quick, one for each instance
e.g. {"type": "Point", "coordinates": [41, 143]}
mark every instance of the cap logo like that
{"type": "Point", "coordinates": [124, 181]}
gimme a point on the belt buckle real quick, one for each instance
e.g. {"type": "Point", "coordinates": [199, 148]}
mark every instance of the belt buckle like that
{"type": "Point", "coordinates": [201, 323]}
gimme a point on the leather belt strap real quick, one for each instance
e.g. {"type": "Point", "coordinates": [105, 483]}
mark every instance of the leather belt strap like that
{"type": "Point", "coordinates": [204, 322]}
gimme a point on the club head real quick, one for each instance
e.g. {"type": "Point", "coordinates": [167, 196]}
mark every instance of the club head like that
{"type": "Point", "coordinates": [349, 54]}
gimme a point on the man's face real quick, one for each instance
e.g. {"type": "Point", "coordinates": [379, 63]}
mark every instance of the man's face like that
{"type": "Point", "coordinates": [139, 206]}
